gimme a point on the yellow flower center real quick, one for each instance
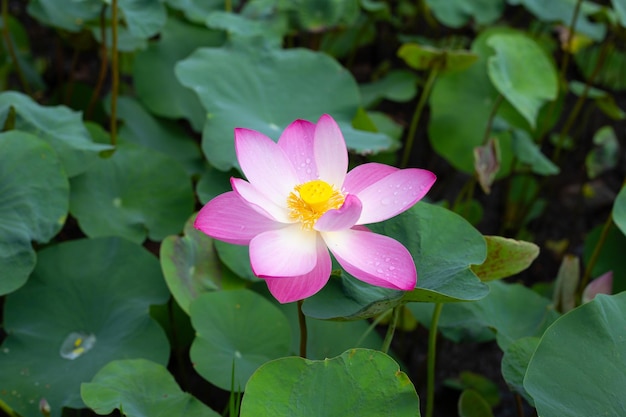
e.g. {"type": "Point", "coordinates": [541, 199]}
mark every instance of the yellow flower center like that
{"type": "Point", "coordinates": [310, 200]}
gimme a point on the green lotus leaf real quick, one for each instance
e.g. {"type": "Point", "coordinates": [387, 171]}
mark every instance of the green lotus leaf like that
{"type": "Point", "coordinates": [61, 127]}
{"type": "Point", "coordinates": [579, 367]}
{"type": "Point", "coordinates": [191, 267]}
{"type": "Point", "coordinates": [85, 304]}
{"type": "Point", "coordinates": [457, 13]}
{"type": "Point", "coordinates": [526, 87]}
{"type": "Point", "coordinates": [154, 66]}
{"type": "Point", "coordinates": [360, 382]}
{"type": "Point", "coordinates": [165, 136]}
{"type": "Point", "coordinates": [237, 331]}
{"type": "Point", "coordinates": [62, 14]}
{"type": "Point", "coordinates": [505, 258]}
{"type": "Point", "coordinates": [270, 89]}
{"type": "Point", "coordinates": [33, 203]}
{"type": "Point", "coordinates": [126, 384]}
{"type": "Point", "coordinates": [135, 193]}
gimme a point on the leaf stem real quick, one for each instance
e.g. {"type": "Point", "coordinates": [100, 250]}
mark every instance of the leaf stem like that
{"type": "Point", "coordinates": [7, 39]}
{"type": "Point", "coordinates": [430, 372]}
{"type": "Point", "coordinates": [393, 323]}
{"type": "Point", "coordinates": [115, 71]}
{"type": "Point", "coordinates": [104, 64]}
{"type": "Point", "coordinates": [303, 330]}
{"type": "Point", "coordinates": [430, 81]}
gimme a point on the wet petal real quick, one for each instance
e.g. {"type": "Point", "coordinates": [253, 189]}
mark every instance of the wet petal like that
{"type": "Point", "coordinates": [393, 194]}
{"type": "Point", "coordinates": [365, 175]}
{"type": "Point", "coordinates": [259, 201]}
{"type": "Point", "coordinates": [297, 142]}
{"type": "Point", "coordinates": [229, 218]}
{"type": "Point", "coordinates": [285, 252]}
{"type": "Point", "coordinates": [376, 259]}
{"type": "Point", "coordinates": [289, 289]}
{"type": "Point", "coordinates": [342, 218]}
{"type": "Point", "coordinates": [265, 165]}
{"type": "Point", "coordinates": [331, 154]}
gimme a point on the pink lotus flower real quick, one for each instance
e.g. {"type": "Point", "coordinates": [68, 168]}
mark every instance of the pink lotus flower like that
{"type": "Point", "coordinates": [299, 203]}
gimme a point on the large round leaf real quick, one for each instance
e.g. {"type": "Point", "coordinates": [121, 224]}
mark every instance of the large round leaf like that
{"type": "Point", "coordinates": [579, 367]}
{"type": "Point", "coordinates": [127, 384]}
{"type": "Point", "coordinates": [360, 382]}
{"type": "Point", "coordinates": [61, 127]}
{"type": "Point", "coordinates": [85, 305]}
{"type": "Point", "coordinates": [165, 136]}
{"type": "Point", "coordinates": [526, 87]}
{"type": "Point", "coordinates": [237, 331]}
{"type": "Point", "coordinates": [444, 246]}
{"type": "Point", "coordinates": [33, 203]}
{"type": "Point", "coordinates": [154, 66]}
{"type": "Point", "coordinates": [457, 13]}
{"type": "Point", "coordinates": [265, 90]}
{"type": "Point", "coordinates": [135, 193]}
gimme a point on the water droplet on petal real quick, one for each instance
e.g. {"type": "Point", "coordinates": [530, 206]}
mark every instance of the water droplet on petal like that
{"type": "Point", "coordinates": [77, 344]}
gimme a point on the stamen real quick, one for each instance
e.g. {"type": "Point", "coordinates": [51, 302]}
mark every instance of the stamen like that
{"type": "Point", "coordinates": [313, 199]}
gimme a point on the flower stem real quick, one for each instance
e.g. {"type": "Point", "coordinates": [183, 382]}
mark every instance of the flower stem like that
{"type": "Point", "coordinates": [104, 63]}
{"type": "Point", "coordinates": [6, 409]}
{"type": "Point", "coordinates": [393, 323]}
{"type": "Point", "coordinates": [115, 72]}
{"type": "Point", "coordinates": [432, 346]}
{"type": "Point", "coordinates": [303, 331]}
{"type": "Point", "coordinates": [430, 81]}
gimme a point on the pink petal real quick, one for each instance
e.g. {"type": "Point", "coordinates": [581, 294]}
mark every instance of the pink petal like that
{"type": "Point", "coordinates": [289, 289]}
{"type": "Point", "coordinates": [342, 218]}
{"type": "Point", "coordinates": [285, 252]}
{"type": "Point", "coordinates": [376, 259]}
{"type": "Point", "coordinates": [229, 218]}
{"type": "Point", "coordinates": [393, 194]}
{"type": "Point", "coordinates": [331, 154]}
{"type": "Point", "coordinates": [265, 165]}
{"type": "Point", "coordinates": [297, 142]}
{"type": "Point", "coordinates": [365, 175]}
{"type": "Point", "coordinates": [259, 201]}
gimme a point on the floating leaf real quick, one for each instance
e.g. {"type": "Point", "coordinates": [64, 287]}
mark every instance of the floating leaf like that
{"type": "Point", "coordinates": [360, 382]}
{"type": "Point", "coordinates": [237, 331]}
{"type": "Point", "coordinates": [154, 66]}
{"type": "Point", "coordinates": [61, 127]}
{"type": "Point", "coordinates": [126, 384]}
{"type": "Point", "coordinates": [191, 267]}
{"type": "Point", "coordinates": [85, 304]}
{"type": "Point", "coordinates": [249, 79]}
{"type": "Point", "coordinates": [23, 217]}
{"type": "Point", "coordinates": [526, 87]}
{"type": "Point", "coordinates": [578, 367]}
{"type": "Point", "coordinates": [135, 193]}
{"type": "Point", "coordinates": [505, 258]}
